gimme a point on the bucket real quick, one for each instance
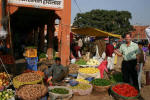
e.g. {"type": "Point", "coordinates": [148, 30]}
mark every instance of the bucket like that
{"type": "Point", "coordinates": [148, 78]}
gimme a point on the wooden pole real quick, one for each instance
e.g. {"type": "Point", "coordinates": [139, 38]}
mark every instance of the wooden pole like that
{"type": "Point", "coordinates": [42, 38]}
{"type": "Point", "coordinates": [50, 33]}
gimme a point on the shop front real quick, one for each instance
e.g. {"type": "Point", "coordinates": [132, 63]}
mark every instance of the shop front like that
{"type": "Point", "coordinates": [32, 22]}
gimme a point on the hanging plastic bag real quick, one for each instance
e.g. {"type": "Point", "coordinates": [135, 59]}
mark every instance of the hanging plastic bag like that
{"type": "Point", "coordinates": [103, 67]}
{"type": "Point", "coordinates": [147, 30]}
{"type": "Point", "coordinates": [3, 33]}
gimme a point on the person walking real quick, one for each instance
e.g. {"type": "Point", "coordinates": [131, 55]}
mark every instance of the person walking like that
{"type": "Point", "coordinates": [130, 63]}
{"type": "Point", "coordinates": [141, 61]}
{"type": "Point", "coordinates": [149, 48]}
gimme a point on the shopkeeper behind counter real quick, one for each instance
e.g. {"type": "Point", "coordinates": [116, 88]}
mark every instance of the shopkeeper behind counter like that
{"type": "Point", "coordinates": [57, 72]}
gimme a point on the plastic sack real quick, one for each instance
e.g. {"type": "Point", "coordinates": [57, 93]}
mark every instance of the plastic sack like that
{"type": "Point", "coordinates": [147, 30]}
{"type": "Point", "coordinates": [73, 61]}
{"type": "Point", "coordinates": [3, 33]}
{"type": "Point", "coordinates": [115, 60]}
{"type": "Point", "coordinates": [103, 67]}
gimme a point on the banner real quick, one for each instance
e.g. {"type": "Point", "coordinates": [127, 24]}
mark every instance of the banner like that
{"type": "Point", "coordinates": [39, 3]}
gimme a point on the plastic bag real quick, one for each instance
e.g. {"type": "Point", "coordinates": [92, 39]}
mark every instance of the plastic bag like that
{"type": "Point", "coordinates": [147, 30]}
{"type": "Point", "coordinates": [3, 33]}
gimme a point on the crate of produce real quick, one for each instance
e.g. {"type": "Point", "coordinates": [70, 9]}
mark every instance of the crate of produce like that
{"type": "Point", "coordinates": [101, 85]}
{"type": "Point", "coordinates": [82, 89]}
{"type": "Point", "coordinates": [59, 92]}
{"type": "Point", "coordinates": [30, 52]}
{"type": "Point", "coordinates": [32, 67]}
{"type": "Point", "coordinates": [124, 91]}
{"type": "Point", "coordinates": [7, 95]}
{"type": "Point", "coordinates": [32, 61]}
{"type": "Point", "coordinates": [4, 81]}
{"type": "Point", "coordinates": [26, 78]}
{"type": "Point", "coordinates": [31, 92]}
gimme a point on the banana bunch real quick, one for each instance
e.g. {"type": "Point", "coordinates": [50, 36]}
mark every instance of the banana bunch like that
{"type": "Point", "coordinates": [81, 86]}
{"type": "Point", "coordinates": [92, 62]}
{"type": "Point", "coordinates": [88, 70]}
{"type": "Point", "coordinates": [82, 80]}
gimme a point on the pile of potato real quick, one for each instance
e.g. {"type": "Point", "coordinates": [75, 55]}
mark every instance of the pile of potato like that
{"type": "Point", "coordinates": [28, 77]}
{"type": "Point", "coordinates": [31, 92]}
{"type": "Point", "coordinates": [73, 68]}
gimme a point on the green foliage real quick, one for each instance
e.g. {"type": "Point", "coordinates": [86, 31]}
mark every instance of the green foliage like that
{"type": "Point", "coordinates": [42, 55]}
{"type": "Point", "coordinates": [116, 78]}
{"type": "Point", "coordinates": [111, 21]}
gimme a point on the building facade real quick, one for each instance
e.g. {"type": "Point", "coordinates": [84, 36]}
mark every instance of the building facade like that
{"type": "Point", "coordinates": [139, 33]}
{"type": "Point", "coordinates": [31, 16]}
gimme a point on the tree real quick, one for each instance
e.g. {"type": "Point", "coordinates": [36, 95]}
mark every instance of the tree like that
{"type": "Point", "coordinates": [111, 21]}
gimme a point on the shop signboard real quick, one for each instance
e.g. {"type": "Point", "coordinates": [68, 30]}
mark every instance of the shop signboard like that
{"type": "Point", "coordinates": [39, 3]}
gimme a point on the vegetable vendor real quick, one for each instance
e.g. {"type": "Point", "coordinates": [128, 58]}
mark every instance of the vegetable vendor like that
{"type": "Point", "coordinates": [57, 72]}
{"type": "Point", "coordinates": [130, 63]}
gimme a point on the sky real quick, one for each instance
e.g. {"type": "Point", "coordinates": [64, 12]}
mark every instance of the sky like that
{"type": "Point", "coordinates": [140, 9]}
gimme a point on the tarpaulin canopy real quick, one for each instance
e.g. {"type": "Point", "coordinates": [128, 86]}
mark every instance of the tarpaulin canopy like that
{"type": "Point", "coordinates": [93, 32]}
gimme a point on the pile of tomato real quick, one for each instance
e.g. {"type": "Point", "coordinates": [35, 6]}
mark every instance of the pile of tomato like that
{"type": "Point", "coordinates": [125, 90]}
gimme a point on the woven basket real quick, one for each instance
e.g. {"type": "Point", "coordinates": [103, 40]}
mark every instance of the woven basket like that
{"type": "Point", "coordinates": [80, 92]}
{"type": "Point", "coordinates": [55, 96]}
{"type": "Point", "coordinates": [101, 88]}
{"type": "Point", "coordinates": [119, 97]}
{"type": "Point", "coordinates": [17, 84]}
{"type": "Point", "coordinates": [21, 95]}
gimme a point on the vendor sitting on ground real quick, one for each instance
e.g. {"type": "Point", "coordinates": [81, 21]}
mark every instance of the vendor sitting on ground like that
{"type": "Point", "coordinates": [57, 72]}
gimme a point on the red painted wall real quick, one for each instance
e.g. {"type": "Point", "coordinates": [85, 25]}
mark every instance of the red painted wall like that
{"type": "Point", "coordinates": [64, 27]}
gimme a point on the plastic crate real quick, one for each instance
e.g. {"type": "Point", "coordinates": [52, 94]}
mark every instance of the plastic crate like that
{"type": "Point", "coordinates": [32, 67]}
{"type": "Point", "coordinates": [32, 61]}
{"type": "Point", "coordinates": [30, 52]}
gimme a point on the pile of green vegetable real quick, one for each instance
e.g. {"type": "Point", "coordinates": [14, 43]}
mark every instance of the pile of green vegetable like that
{"type": "Point", "coordinates": [80, 62]}
{"type": "Point", "coordinates": [59, 91]}
{"type": "Point", "coordinates": [101, 82]}
{"type": "Point", "coordinates": [42, 55]}
{"type": "Point", "coordinates": [116, 78]}
{"type": "Point", "coordinates": [5, 95]}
